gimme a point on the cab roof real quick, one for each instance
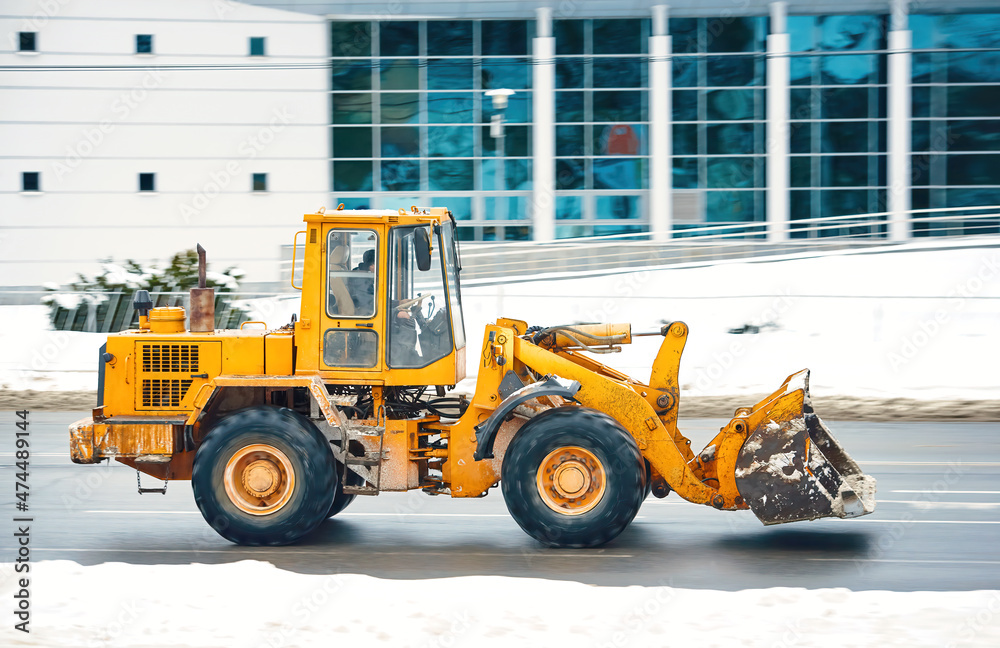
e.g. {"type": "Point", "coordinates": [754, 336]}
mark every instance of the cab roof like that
{"type": "Point", "coordinates": [406, 215]}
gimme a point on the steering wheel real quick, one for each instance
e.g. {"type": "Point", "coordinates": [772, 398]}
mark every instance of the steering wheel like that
{"type": "Point", "coordinates": [406, 304]}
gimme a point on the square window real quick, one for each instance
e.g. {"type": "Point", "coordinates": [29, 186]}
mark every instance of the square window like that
{"type": "Point", "coordinates": [260, 182]}
{"type": "Point", "coordinates": [30, 181]}
{"type": "Point", "coordinates": [257, 46]}
{"type": "Point", "coordinates": [27, 42]}
{"type": "Point", "coordinates": [143, 43]}
{"type": "Point", "coordinates": [147, 182]}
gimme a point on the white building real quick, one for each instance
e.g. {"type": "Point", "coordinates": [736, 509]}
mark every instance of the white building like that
{"type": "Point", "coordinates": [123, 138]}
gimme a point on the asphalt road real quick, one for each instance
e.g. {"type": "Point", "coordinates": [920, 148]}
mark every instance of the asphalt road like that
{"type": "Point", "coordinates": [936, 527]}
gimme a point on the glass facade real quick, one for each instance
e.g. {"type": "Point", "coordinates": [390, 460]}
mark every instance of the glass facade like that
{"type": "Point", "coordinates": [956, 117]}
{"type": "Point", "coordinates": [411, 122]}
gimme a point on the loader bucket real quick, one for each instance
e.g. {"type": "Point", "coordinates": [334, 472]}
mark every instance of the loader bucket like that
{"type": "Point", "coordinates": [791, 468]}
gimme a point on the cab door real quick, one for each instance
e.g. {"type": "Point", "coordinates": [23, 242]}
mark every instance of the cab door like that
{"type": "Point", "coordinates": [352, 329]}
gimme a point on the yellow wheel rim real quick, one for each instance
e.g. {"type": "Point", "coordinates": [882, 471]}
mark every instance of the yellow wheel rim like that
{"type": "Point", "coordinates": [259, 479]}
{"type": "Point", "coordinates": [571, 480]}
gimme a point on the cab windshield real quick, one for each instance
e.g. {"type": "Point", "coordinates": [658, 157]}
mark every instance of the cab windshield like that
{"type": "Point", "coordinates": [420, 330]}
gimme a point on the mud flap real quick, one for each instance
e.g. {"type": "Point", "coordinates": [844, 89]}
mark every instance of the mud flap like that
{"type": "Point", "coordinates": [791, 468]}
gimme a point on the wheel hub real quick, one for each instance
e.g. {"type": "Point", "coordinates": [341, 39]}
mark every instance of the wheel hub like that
{"type": "Point", "coordinates": [259, 479]}
{"type": "Point", "coordinates": [571, 480]}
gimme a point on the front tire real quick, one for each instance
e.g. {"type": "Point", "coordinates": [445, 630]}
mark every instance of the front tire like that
{"type": "Point", "coordinates": [264, 476]}
{"type": "Point", "coordinates": [573, 477]}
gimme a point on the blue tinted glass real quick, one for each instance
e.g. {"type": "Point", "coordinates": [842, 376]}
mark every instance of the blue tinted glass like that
{"type": "Point", "coordinates": [569, 36]}
{"type": "Point", "coordinates": [515, 141]}
{"type": "Point", "coordinates": [845, 137]}
{"type": "Point", "coordinates": [504, 37]}
{"type": "Point", "coordinates": [569, 73]}
{"type": "Point", "coordinates": [351, 75]}
{"type": "Point", "coordinates": [616, 207]}
{"type": "Point", "coordinates": [460, 208]}
{"type": "Point", "coordinates": [685, 105]}
{"type": "Point", "coordinates": [569, 207]}
{"type": "Point", "coordinates": [685, 173]}
{"type": "Point", "coordinates": [969, 135]}
{"type": "Point", "coordinates": [613, 106]}
{"type": "Point", "coordinates": [730, 104]}
{"type": "Point", "coordinates": [845, 171]}
{"type": "Point", "coordinates": [353, 142]}
{"type": "Point", "coordinates": [802, 69]}
{"type": "Point", "coordinates": [970, 67]}
{"type": "Point", "coordinates": [514, 174]}
{"type": "Point", "coordinates": [801, 136]}
{"type": "Point", "coordinates": [844, 103]}
{"type": "Point", "coordinates": [569, 106]}
{"type": "Point", "coordinates": [956, 30]}
{"type": "Point", "coordinates": [449, 74]}
{"type": "Point", "coordinates": [800, 170]}
{"type": "Point", "coordinates": [685, 72]}
{"type": "Point", "coordinates": [450, 141]}
{"type": "Point", "coordinates": [400, 141]}
{"type": "Point", "coordinates": [506, 208]}
{"type": "Point", "coordinates": [617, 72]}
{"type": "Point", "coordinates": [352, 108]}
{"type": "Point", "coordinates": [400, 107]}
{"type": "Point", "coordinates": [400, 74]}
{"type": "Point", "coordinates": [352, 176]}
{"type": "Point", "coordinates": [349, 38]}
{"type": "Point", "coordinates": [399, 38]}
{"type": "Point", "coordinates": [801, 33]}
{"type": "Point", "coordinates": [450, 108]}
{"type": "Point", "coordinates": [730, 172]}
{"type": "Point", "coordinates": [617, 36]}
{"type": "Point", "coordinates": [506, 73]}
{"type": "Point", "coordinates": [449, 37]}
{"type": "Point", "coordinates": [400, 175]}
{"type": "Point", "coordinates": [972, 101]}
{"type": "Point", "coordinates": [732, 34]}
{"type": "Point", "coordinates": [685, 140]}
{"type": "Point", "coordinates": [732, 71]}
{"type": "Point", "coordinates": [843, 202]}
{"type": "Point", "coordinates": [731, 138]}
{"type": "Point", "coordinates": [860, 68]}
{"type": "Point", "coordinates": [844, 33]}
{"type": "Point", "coordinates": [569, 140]}
{"type": "Point", "coordinates": [449, 175]}
{"type": "Point", "coordinates": [729, 206]}
{"type": "Point", "coordinates": [684, 33]}
{"type": "Point", "coordinates": [569, 174]}
{"type": "Point", "coordinates": [973, 169]}
{"type": "Point", "coordinates": [801, 102]}
{"type": "Point", "coordinates": [620, 139]}
{"type": "Point", "coordinates": [618, 174]}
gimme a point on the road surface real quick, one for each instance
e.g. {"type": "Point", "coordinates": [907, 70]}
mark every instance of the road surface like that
{"type": "Point", "coordinates": [935, 528]}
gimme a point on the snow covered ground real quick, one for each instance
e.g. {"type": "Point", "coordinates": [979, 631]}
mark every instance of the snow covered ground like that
{"type": "Point", "coordinates": [921, 324]}
{"type": "Point", "coordinates": [255, 604]}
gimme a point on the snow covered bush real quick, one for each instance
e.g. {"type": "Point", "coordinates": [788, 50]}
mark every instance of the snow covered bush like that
{"type": "Point", "coordinates": [104, 302]}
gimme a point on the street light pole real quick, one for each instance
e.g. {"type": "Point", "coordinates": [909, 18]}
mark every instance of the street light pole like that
{"type": "Point", "coordinates": [499, 97]}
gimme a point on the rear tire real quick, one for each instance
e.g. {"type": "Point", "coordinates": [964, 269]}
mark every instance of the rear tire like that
{"type": "Point", "coordinates": [573, 477]}
{"type": "Point", "coordinates": [341, 500]}
{"type": "Point", "coordinates": [264, 476]}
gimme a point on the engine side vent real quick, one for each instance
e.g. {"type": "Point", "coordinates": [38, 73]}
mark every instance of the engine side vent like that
{"type": "Point", "coordinates": [170, 358]}
{"type": "Point", "coordinates": [164, 394]}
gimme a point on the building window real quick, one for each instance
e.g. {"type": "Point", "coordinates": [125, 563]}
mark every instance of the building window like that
{"type": "Point", "coordinates": [260, 182]}
{"type": "Point", "coordinates": [30, 181]}
{"type": "Point", "coordinates": [27, 42]}
{"type": "Point", "coordinates": [143, 43]}
{"type": "Point", "coordinates": [257, 46]}
{"type": "Point", "coordinates": [147, 182]}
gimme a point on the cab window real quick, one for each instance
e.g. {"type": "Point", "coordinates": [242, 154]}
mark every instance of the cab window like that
{"type": "Point", "coordinates": [419, 328]}
{"type": "Point", "coordinates": [352, 273]}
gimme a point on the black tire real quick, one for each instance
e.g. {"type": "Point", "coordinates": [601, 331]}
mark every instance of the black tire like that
{"type": "Point", "coordinates": [312, 464]}
{"type": "Point", "coordinates": [600, 435]}
{"type": "Point", "coordinates": [649, 481]}
{"type": "Point", "coordinates": [341, 500]}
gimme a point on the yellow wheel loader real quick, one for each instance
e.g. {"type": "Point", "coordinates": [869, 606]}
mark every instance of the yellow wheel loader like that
{"type": "Point", "coordinates": [281, 428]}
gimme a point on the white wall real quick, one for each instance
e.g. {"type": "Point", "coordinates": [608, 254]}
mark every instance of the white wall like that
{"type": "Point", "coordinates": [202, 132]}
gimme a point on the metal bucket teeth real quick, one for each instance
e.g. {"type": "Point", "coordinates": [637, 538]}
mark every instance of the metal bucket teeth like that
{"type": "Point", "coordinates": [791, 468]}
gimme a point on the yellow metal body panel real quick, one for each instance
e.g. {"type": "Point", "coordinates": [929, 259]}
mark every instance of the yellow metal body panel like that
{"type": "Point", "coordinates": [278, 354]}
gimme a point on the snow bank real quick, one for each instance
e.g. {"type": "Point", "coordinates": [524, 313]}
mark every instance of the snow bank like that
{"type": "Point", "coordinates": [255, 604]}
{"type": "Point", "coordinates": [920, 324]}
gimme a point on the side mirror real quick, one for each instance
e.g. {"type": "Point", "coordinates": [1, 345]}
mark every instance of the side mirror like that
{"type": "Point", "coordinates": [422, 248]}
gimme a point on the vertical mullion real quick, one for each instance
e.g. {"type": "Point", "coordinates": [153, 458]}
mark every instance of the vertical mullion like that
{"type": "Point", "coordinates": [422, 115]}
{"type": "Point", "coordinates": [376, 94]}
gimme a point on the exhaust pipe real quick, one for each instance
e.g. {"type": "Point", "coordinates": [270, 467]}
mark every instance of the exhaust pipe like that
{"type": "Point", "coordinates": [202, 300]}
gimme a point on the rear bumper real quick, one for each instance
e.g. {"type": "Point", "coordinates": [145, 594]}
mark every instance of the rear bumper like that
{"type": "Point", "coordinates": [81, 442]}
{"type": "Point", "coordinates": [91, 442]}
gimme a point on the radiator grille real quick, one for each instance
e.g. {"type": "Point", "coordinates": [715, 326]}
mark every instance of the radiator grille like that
{"type": "Point", "coordinates": [164, 393]}
{"type": "Point", "coordinates": [170, 358]}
